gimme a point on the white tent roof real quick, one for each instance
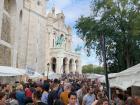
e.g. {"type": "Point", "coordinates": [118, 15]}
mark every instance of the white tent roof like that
{"type": "Point", "coordinates": [93, 76]}
{"type": "Point", "coordinates": [36, 75]}
{"type": "Point", "coordinates": [52, 75]}
{"type": "Point", "coordinates": [132, 70]}
{"type": "Point", "coordinates": [11, 71]}
{"type": "Point", "coordinates": [126, 78]}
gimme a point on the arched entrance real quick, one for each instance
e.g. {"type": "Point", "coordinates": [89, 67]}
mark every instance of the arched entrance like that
{"type": "Point", "coordinates": [53, 64]}
{"type": "Point", "coordinates": [65, 64]}
{"type": "Point", "coordinates": [71, 65]}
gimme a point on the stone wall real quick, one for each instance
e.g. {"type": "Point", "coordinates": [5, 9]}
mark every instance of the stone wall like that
{"type": "Point", "coordinates": [9, 31]}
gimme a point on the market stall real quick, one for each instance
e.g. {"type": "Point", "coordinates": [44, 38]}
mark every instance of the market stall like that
{"type": "Point", "coordinates": [126, 78]}
{"type": "Point", "coordinates": [11, 74]}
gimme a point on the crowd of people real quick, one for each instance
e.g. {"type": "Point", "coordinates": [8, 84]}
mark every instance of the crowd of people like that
{"type": "Point", "coordinates": [64, 91]}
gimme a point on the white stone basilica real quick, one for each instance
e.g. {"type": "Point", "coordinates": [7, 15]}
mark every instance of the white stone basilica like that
{"type": "Point", "coordinates": [31, 38]}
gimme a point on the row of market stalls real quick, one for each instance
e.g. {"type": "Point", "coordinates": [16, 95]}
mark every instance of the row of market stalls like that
{"type": "Point", "coordinates": [129, 78]}
{"type": "Point", "coordinates": [10, 74]}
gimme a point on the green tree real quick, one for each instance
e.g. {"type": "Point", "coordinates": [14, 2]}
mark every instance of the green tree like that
{"type": "Point", "coordinates": [119, 22]}
{"type": "Point", "coordinates": [87, 68]}
{"type": "Point", "coordinates": [98, 70]}
{"type": "Point", "coordinates": [92, 69]}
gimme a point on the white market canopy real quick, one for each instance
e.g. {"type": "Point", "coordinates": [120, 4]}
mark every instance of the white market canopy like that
{"type": "Point", "coordinates": [11, 71]}
{"type": "Point", "coordinates": [95, 76]}
{"type": "Point", "coordinates": [127, 78]}
{"type": "Point", "coordinates": [53, 75]}
{"type": "Point", "coordinates": [35, 75]}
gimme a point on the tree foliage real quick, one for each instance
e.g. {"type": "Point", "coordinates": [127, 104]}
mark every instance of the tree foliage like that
{"type": "Point", "coordinates": [119, 22]}
{"type": "Point", "coordinates": [92, 69]}
{"type": "Point", "coordinates": [87, 68]}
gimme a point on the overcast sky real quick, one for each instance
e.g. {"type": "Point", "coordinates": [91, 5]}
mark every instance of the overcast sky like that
{"type": "Point", "coordinates": [73, 9]}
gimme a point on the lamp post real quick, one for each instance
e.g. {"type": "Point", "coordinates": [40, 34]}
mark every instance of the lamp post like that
{"type": "Point", "coordinates": [48, 66]}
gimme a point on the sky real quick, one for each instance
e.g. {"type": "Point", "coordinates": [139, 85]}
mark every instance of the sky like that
{"type": "Point", "coordinates": [72, 10]}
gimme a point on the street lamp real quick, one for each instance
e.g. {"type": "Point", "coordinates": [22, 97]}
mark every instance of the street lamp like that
{"type": "Point", "coordinates": [48, 66]}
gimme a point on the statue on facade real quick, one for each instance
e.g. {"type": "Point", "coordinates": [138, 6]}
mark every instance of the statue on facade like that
{"type": "Point", "coordinates": [59, 41]}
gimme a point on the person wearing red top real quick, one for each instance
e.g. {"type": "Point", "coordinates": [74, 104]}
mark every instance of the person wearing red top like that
{"type": "Point", "coordinates": [28, 92]}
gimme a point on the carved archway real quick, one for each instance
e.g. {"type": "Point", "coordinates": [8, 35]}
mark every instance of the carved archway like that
{"type": "Point", "coordinates": [53, 64]}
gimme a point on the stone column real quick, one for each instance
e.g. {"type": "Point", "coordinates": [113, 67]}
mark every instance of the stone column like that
{"type": "Point", "coordinates": [79, 68]}
{"type": "Point", "coordinates": [67, 68]}
{"type": "Point", "coordinates": [59, 65]}
{"type": "Point", "coordinates": [74, 67]}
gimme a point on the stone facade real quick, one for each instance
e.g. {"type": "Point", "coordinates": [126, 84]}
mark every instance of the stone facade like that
{"type": "Point", "coordinates": [31, 38]}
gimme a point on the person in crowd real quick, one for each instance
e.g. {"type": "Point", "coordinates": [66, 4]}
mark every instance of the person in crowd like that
{"type": "Point", "coordinates": [89, 98]}
{"type": "Point", "coordinates": [39, 87]}
{"type": "Point", "coordinates": [7, 89]}
{"type": "Point", "coordinates": [53, 94]}
{"type": "Point", "coordinates": [45, 93]}
{"type": "Point", "coordinates": [36, 97]}
{"type": "Point", "coordinates": [2, 98]}
{"type": "Point", "coordinates": [103, 101]}
{"type": "Point", "coordinates": [12, 99]}
{"type": "Point", "coordinates": [59, 102]}
{"type": "Point", "coordinates": [72, 98]}
{"type": "Point", "coordinates": [60, 88]}
{"type": "Point", "coordinates": [136, 100]}
{"type": "Point", "coordinates": [64, 95]}
{"type": "Point", "coordinates": [20, 95]}
{"type": "Point", "coordinates": [129, 100]}
{"type": "Point", "coordinates": [100, 96]}
{"type": "Point", "coordinates": [118, 100]}
{"type": "Point", "coordinates": [81, 92]}
{"type": "Point", "coordinates": [28, 94]}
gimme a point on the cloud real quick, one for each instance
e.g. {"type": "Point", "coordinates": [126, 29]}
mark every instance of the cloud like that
{"type": "Point", "coordinates": [72, 9]}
